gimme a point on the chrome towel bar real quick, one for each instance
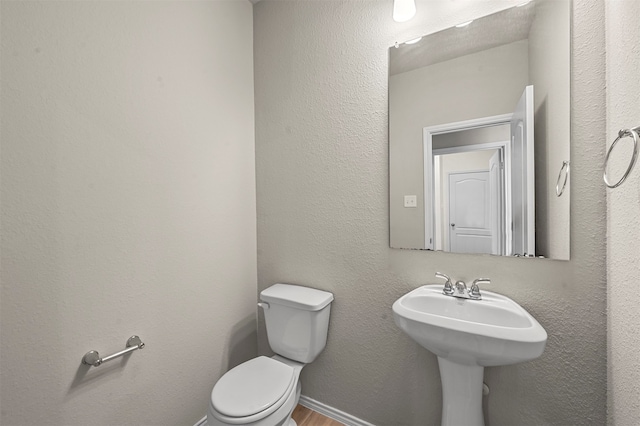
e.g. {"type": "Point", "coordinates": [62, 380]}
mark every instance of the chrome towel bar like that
{"type": "Point", "coordinates": [633, 134]}
{"type": "Point", "coordinates": [93, 358]}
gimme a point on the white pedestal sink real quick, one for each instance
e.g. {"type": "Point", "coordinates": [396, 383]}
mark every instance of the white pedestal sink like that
{"type": "Point", "coordinates": [468, 335]}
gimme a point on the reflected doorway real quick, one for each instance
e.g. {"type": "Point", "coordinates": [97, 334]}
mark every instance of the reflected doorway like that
{"type": "Point", "coordinates": [507, 196]}
{"type": "Point", "coordinates": [469, 200]}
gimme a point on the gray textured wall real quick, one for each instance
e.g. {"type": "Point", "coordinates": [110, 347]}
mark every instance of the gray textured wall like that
{"type": "Point", "coordinates": [623, 215]}
{"type": "Point", "coordinates": [128, 199]}
{"type": "Point", "coordinates": [322, 185]}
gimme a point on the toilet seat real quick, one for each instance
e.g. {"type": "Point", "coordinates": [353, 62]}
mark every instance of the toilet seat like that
{"type": "Point", "coordinates": [252, 390]}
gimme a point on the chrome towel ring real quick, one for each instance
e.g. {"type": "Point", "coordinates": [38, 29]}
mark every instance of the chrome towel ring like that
{"type": "Point", "coordinates": [565, 169]}
{"type": "Point", "coordinates": [633, 134]}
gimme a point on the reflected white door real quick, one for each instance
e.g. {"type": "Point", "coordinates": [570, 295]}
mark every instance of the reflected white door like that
{"type": "Point", "coordinates": [522, 176]}
{"type": "Point", "coordinates": [469, 213]}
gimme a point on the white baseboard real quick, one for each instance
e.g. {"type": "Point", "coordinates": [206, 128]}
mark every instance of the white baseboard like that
{"type": "Point", "coordinates": [324, 409]}
{"type": "Point", "coordinates": [332, 413]}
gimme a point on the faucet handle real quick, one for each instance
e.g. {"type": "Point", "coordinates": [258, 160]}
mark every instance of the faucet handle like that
{"type": "Point", "coordinates": [474, 291]}
{"type": "Point", "coordinates": [448, 286]}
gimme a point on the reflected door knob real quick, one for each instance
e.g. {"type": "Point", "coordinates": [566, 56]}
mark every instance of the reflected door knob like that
{"type": "Point", "coordinates": [453, 225]}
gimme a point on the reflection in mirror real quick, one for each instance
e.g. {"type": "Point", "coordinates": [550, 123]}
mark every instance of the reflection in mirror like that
{"type": "Point", "coordinates": [478, 131]}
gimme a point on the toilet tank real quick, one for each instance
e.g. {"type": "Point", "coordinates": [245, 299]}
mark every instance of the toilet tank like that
{"type": "Point", "coordinates": [297, 320]}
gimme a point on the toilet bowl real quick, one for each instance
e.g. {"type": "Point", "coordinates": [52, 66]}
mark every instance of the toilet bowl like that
{"type": "Point", "coordinates": [260, 392]}
{"type": "Point", "coordinates": [264, 391]}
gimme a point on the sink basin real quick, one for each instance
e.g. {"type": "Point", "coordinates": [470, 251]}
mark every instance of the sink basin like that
{"type": "Point", "coordinates": [489, 332]}
{"type": "Point", "coordinates": [468, 335]}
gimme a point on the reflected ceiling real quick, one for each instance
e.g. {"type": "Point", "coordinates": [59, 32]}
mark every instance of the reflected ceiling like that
{"type": "Point", "coordinates": [490, 31]}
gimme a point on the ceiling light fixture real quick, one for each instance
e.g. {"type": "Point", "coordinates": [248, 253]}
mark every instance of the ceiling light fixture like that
{"type": "Point", "coordinates": [403, 10]}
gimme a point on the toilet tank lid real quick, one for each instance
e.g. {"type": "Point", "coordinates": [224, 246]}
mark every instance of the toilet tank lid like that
{"type": "Point", "coordinates": [296, 296]}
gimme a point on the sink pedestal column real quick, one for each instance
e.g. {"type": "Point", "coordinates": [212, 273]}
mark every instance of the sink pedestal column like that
{"type": "Point", "coordinates": [461, 393]}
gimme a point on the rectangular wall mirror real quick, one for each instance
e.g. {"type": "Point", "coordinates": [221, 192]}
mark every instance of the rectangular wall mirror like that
{"type": "Point", "coordinates": [479, 135]}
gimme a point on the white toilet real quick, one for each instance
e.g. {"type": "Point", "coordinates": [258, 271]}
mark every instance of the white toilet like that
{"type": "Point", "coordinates": [264, 391]}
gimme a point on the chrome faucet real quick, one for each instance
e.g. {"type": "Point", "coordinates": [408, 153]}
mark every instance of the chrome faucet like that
{"type": "Point", "coordinates": [460, 289]}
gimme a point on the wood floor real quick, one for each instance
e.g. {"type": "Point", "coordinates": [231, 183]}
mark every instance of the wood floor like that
{"type": "Point", "coordinates": [307, 417]}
